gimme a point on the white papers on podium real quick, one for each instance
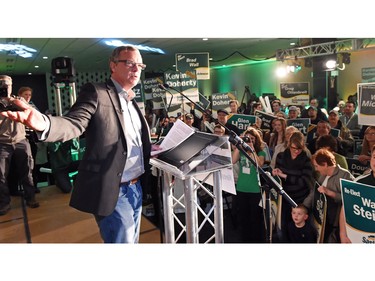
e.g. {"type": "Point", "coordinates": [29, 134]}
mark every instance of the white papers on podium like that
{"type": "Point", "coordinates": [179, 132]}
{"type": "Point", "coordinates": [195, 152]}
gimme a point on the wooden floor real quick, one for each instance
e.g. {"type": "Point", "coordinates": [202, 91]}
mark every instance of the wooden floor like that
{"type": "Point", "coordinates": [55, 222]}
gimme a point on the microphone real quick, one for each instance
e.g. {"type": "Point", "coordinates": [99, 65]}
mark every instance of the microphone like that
{"type": "Point", "coordinates": [244, 147]}
{"type": "Point", "coordinates": [236, 140]}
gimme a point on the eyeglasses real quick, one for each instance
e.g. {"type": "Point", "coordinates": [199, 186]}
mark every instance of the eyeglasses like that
{"type": "Point", "coordinates": [295, 148]}
{"type": "Point", "coordinates": [370, 134]}
{"type": "Point", "coordinates": [131, 63]}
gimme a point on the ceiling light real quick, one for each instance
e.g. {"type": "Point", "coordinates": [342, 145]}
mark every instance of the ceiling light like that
{"type": "Point", "coordinates": [17, 49]}
{"type": "Point", "coordinates": [118, 43]}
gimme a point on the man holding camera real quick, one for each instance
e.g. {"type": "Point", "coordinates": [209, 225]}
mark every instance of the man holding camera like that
{"type": "Point", "coordinates": [13, 144]}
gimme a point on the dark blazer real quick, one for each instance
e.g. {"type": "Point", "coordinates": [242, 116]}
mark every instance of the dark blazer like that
{"type": "Point", "coordinates": [98, 113]}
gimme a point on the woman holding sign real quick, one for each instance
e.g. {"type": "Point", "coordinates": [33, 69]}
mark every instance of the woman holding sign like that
{"type": "Point", "coordinates": [329, 180]}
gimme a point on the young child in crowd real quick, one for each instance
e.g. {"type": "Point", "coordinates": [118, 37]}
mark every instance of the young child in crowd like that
{"type": "Point", "coordinates": [300, 229]}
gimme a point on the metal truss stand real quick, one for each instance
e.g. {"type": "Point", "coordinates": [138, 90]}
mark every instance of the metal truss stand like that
{"type": "Point", "coordinates": [72, 95]}
{"type": "Point", "coordinates": [198, 178]}
{"type": "Point", "coordinates": [188, 201]}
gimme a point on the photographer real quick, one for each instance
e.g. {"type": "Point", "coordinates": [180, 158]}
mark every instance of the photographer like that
{"type": "Point", "coordinates": [26, 93]}
{"type": "Point", "coordinates": [250, 216]}
{"type": "Point", "coordinates": [14, 145]}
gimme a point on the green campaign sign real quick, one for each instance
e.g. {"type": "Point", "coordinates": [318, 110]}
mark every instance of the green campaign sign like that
{"type": "Point", "coordinates": [294, 93]}
{"type": "Point", "coordinates": [194, 64]}
{"type": "Point", "coordinates": [266, 119]}
{"type": "Point", "coordinates": [367, 99]}
{"type": "Point", "coordinates": [319, 212]}
{"type": "Point", "coordinates": [241, 121]}
{"type": "Point", "coordinates": [366, 103]}
{"type": "Point", "coordinates": [221, 100]}
{"type": "Point", "coordinates": [356, 167]}
{"type": "Point", "coordinates": [301, 124]}
{"type": "Point", "coordinates": [152, 90]}
{"type": "Point", "coordinates": [138, 90]}
{"type": "Point", "coordinates": [359, 208]}
{"type": "Point", "coordinates": [181, 82]}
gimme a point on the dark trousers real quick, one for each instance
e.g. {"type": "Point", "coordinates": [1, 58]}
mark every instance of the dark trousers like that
{"type": "Point", "coordinates": [250, 217]}
{"type": "Point", "coordinates": [23, 163]}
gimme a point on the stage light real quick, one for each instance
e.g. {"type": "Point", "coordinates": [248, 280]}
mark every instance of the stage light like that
{"type": "Point", "coordinates": [346, 58]}
{"type": "Point", "coordinates": [290, 68]}
{"type": "Point", "coordinates": [331, 64]}
{"type": "Point", "coordinates": [294, 68]}
{"type": "Point", "coordinates": [281, 72]}
{"type": "Point", "coordinates": [334, 65]}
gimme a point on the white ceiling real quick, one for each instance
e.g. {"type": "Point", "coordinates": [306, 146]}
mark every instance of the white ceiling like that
{"type": "Point", "coordinates": [91, 54]}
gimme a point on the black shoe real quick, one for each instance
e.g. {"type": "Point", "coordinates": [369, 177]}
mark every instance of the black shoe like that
{"type": "Point", "coordinates": [4, 210]}
{"type": "Point", "coordinates": [32, 203]}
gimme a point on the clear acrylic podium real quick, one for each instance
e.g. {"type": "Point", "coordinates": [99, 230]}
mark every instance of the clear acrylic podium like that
{"type": "Point", "coordinates": [205, 171]}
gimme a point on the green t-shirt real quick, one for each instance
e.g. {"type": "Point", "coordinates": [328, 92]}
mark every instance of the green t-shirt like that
{"type": "Point", "coordinates": [248, 175]}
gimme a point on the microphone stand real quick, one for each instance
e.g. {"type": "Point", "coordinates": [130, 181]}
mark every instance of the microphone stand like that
{"type": "Point", "coordinates": [166, 111]}
{"type": "Point", "coordinates": [244, 147]}
{"type": "Point", "coordinates": [158, 176]}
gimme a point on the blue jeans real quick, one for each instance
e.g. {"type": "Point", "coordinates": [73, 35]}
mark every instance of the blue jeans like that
{"type": "Point", "coordinates": [123, 225]}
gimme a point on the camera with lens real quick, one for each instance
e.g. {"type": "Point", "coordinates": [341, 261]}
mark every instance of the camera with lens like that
{"type": "Point", "coordinates": [5, 102]}
{"type": "Point", "coordinates": [3, 89]}
{"type": "Point", "coordinates": [7, 105]}
{"type": "Point", "coordinates": [246, 139]}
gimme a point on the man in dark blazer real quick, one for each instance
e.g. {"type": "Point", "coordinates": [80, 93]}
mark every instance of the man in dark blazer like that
{"type": "Point", "coordinates": [118, 146]}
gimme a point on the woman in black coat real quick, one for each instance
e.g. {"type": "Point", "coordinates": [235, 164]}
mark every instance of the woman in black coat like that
{"type": "Point", "coordinates": [295, 170]}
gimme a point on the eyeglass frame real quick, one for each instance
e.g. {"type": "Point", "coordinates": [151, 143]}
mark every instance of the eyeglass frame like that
{"type": "Point", "coordinates": [295, 148]}
{"type": "Point", "coordinates": [131, 63]}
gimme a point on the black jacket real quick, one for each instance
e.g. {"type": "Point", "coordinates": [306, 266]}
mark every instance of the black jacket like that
{"type": "Point", "coordinates": [299, 180]}
{"type": "Point", "coordinates": [98, 113]}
